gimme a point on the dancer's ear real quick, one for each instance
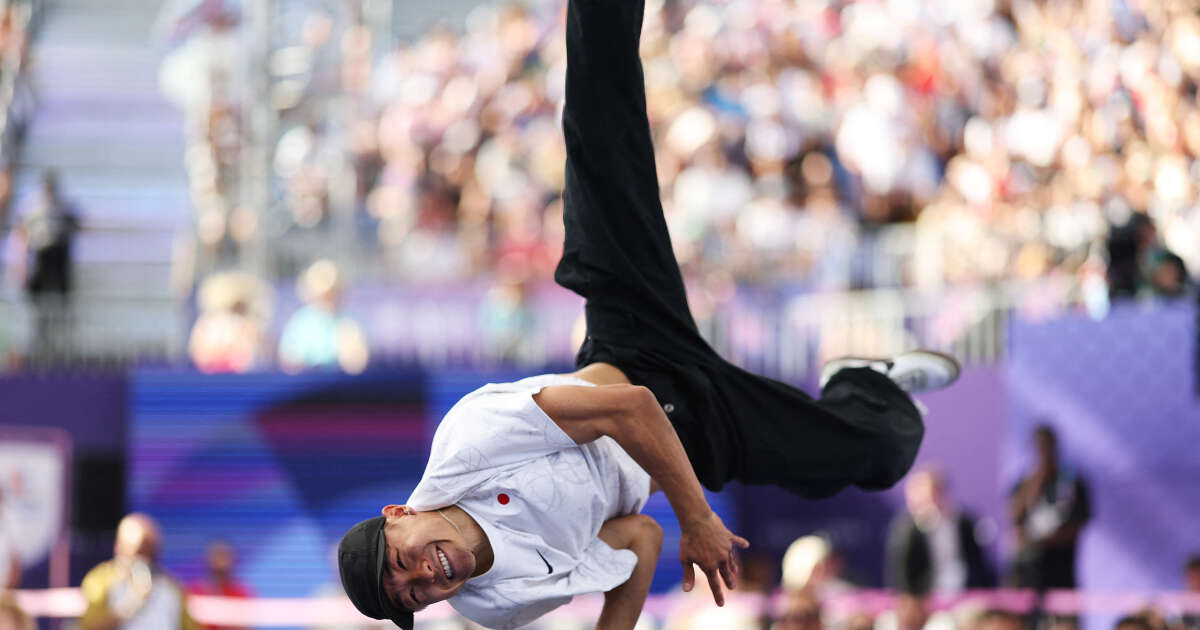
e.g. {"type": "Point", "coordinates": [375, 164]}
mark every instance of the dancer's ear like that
{"type": "Point", "coordinates": [397, 511]}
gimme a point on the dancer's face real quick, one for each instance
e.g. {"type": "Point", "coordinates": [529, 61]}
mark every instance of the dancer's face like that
{"type": "Point", "coordinates": [427, 559]}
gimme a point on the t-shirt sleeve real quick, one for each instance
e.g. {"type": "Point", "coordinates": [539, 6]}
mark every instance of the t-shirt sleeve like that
{"type": "Point", "coordinates": [493, 428]}
{"type": "Point", "coordinates": [604, 568]}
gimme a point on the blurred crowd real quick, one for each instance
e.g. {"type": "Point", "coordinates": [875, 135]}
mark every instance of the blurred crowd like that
{"type": "Point", "coordinates": [1009, 138]}
{"type": "Point", "coordinates": [16, 105]}
{"type": "Point", "coordinates": [231, 329]}
{"type": "Point", "coordinates": [813, 145]}
{"type": "Point", "coordinates": [806, 146]}
{"type": "Point", "coordinates": [16, 95]}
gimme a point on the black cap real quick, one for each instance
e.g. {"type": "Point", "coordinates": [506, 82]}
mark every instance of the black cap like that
{"type": "Point", "coordinates": [360, 563]}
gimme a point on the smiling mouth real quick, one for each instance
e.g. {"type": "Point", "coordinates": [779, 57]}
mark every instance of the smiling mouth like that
{"type": "Point", "coordinates": [447, 570]}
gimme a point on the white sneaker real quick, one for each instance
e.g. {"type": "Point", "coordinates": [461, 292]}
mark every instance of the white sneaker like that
{"type": "Point", "coordinates": [915, 371]}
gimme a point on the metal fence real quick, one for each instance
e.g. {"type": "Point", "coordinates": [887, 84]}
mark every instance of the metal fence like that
{"type": "Point", "coordinates": [785, 336]}
{"type": "Point", "coordinates": [791, 338]}
{"type": "Point", "coordinates": [89, 330]}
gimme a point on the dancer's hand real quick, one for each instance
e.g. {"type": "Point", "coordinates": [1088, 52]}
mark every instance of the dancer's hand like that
{"type": "Point", "coordinates": [708, 543]}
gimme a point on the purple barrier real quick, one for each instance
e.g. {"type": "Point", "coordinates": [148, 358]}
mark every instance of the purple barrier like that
{"type": "Point", "coordinates": [89, 407]}
{"type": "Point", "coordinates": [1120, 394]}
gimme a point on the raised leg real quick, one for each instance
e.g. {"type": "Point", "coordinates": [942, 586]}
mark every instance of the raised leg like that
{"type": "Point", "coordinates": [617, 252]}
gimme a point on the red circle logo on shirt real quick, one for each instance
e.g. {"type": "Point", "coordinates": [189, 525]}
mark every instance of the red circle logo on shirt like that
{"type": "Point", "coordinates": [503, 499]}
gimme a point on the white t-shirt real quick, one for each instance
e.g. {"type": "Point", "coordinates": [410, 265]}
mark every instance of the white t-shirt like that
{"type": "Point", "coordinates": [162, 610]}
{"type": "Point", "coordinates": [945, 551]}
{"type": "Point", "coordinates": [540, 498]}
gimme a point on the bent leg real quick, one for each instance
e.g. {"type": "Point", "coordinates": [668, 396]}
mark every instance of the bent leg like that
{"type": "Point", "coordinates": [739, 426]}
{"type": "Point", "coordinates": [863, 431]}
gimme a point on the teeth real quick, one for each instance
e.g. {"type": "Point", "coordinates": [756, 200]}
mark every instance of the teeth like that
{"type": "Point", "coordinates": [445, 565]}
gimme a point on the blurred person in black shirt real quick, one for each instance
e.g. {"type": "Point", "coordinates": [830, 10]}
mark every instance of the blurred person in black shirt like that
{"type": "Point", "coordinates": [47, 227]}
{"type": "Point", "coordinates": [932, 545]}
{"type": "Point", "coordinates": [1049, 508]}
{"type": "Point", "coordinates": [1140, 266]}
{"type": "Point", "coordinates": [1128, 244]}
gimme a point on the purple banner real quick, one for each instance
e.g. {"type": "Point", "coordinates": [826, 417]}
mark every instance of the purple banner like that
{"type": "Point", "coordinates": [90, 407]}
{"type": "Point", "coordinates": [1121, 395]}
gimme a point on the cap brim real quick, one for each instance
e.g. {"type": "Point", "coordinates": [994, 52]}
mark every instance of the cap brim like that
{"type": "Point", "coordinates": [402, 618]}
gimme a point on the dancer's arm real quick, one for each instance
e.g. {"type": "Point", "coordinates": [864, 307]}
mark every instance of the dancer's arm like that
{"type": "Point", "coordinates": [643, 536]}
{"type": "Point", "coordinates": [630, 414]}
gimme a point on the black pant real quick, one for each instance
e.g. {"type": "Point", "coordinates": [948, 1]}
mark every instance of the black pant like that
{"type": "Point", "coordinates": [734, 425]}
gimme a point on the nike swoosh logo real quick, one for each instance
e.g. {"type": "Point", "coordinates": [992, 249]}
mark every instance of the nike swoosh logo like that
{"type": "Point", "coordinates": [549, 569]}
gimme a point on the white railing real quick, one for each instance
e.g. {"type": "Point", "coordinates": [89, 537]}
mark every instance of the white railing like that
{"type": "Point", "coordinates": [89, 330]}
{"type": "Point", "coordinates": [787, 337]}
{"type": "Point", "coordinates": [791, 338]}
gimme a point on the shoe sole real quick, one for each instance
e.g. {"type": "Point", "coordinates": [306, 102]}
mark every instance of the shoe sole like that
{"type": "Point", "coordinates": [932, 353]}
{"type": "Point", "coordinates": [943, 356]}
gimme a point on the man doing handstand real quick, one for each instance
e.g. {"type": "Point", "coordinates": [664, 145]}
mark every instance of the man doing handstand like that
{"type": "Point", "coordinates": [533, 489]}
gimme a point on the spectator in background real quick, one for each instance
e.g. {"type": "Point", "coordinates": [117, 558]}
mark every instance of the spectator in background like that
{"type": "Point", "coordinates": [1140, 266]}
{"type": "Point", "coordinates": [1132, 622]}
{"type": "Point", "coordinates": [932, 546]}
{"type": "Point", "coordinates": [228, 335]}
{"type": "Point", "coordinates": [1168, 276]}
{"type": "Point", "coordinates": [131, 592]}
{"type": "Point", "coordinates": [1191, 574]}
{"type": "Point", "coordinates": [220, 581]}
{"type": "Point", "coordinates": [1049, 508]}
{"type": "Point", "coordinates": [11, 615]}
{"type": "Point", "coordinates": [10, 560]}
{"type": "Point", "coordinates": [47, 228]}
{"type": "Point", "coordinates": [911, 612]}
{"type": "Point", "coordinates": [995, 619]}
{"type": "Point", "coordinates": [1191, 584]}
{"type": "Point", "coordinates": [811, 564]}
{"type": "Point", "coordinates": [1128, 246]}
{"type": "Point", "coordinates": [800, 610]}
{"type": "Point", "coordinates": [1152, 618]}
{"type": "Point", "coordinates": [508, 322]}
{"type": "Point", "coordinates": [8, 356]}
{"type": "Point", "coordinates": [319, 335]}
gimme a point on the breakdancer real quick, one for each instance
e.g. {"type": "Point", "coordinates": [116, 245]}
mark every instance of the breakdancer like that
{"type": "Point", "coordinates": [533, 489]}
